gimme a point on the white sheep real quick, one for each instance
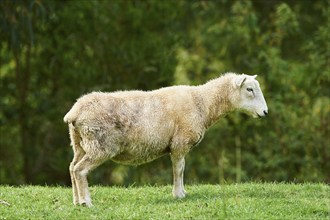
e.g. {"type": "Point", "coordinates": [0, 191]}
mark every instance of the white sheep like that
{"type": "Point", "coordinates": [136, 127]}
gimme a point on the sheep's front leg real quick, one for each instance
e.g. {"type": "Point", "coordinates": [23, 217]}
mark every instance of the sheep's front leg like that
{"type": "Point", "coordinates": [178, 169]}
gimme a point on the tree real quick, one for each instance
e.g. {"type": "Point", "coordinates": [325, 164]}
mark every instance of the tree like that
{"type": "Point", "coordinates": [54, 51]}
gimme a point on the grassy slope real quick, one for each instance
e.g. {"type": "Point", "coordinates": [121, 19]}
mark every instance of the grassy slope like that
{"type": "Point", "coordinates": [241, 201]}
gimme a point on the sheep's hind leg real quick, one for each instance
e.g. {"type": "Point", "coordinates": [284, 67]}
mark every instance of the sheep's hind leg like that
{"type": "Point", "coordinates": [178, 170]}
{"type": "Point", "coordinates": [81, 169]}
{"type": "Point", "coordinates": [78, 155]}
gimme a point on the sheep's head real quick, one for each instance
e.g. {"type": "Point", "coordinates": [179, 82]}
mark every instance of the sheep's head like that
{"type": "Point", "coordinates": [249, 97]}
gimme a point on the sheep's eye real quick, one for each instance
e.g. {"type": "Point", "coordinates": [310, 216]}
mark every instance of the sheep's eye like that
{"type": "Point", "coordinates": [249, 89]}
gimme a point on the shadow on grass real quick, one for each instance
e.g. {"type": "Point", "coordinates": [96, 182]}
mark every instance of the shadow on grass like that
{"type": "Point", "coordinates": [190, 197]}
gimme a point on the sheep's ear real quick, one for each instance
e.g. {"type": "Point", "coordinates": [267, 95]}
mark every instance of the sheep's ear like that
{"type": "Point", "coordinates": [240, 80]}
{"type": "Point", "coordinates": [255, 76]}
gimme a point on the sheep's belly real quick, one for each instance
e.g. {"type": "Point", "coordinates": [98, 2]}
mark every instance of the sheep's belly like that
{"type": "Point", "coordinates": [137, 158]}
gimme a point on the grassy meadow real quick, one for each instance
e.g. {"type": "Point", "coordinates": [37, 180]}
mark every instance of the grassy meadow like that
{"type": "Point", "coordinates": [236, 201]}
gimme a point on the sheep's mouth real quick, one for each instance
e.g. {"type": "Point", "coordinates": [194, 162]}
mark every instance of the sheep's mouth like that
{"type": "Point", "coordinates": [257, 115]}
{"type": "Point", "coordinates": [254, 114]}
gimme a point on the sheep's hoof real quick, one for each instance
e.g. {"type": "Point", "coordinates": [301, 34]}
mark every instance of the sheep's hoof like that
{"type": "Point", "coordinates": [86, 204]}
{"type": "Point", "coordinates": [179, 195]}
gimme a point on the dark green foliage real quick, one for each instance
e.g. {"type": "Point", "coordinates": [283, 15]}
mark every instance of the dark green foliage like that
{"type": "Point", "coordinates": [51, 52]}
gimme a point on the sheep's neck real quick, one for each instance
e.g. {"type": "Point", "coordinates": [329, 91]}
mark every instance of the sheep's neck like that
{"type": "Point", "coordinates": [217, 101]}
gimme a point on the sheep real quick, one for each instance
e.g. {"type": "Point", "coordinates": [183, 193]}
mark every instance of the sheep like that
{"type": "Point", "coordinates": [136, 127]}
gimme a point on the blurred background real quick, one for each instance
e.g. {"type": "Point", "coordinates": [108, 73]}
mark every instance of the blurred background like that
{"type": "Point", "coordinates": [52, 52]}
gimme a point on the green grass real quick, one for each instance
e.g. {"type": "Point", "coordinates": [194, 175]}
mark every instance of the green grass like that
{"type": "Point", "coordinates": [237, 201]}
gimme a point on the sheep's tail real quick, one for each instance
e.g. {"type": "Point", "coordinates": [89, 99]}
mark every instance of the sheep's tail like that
{"type": "Point", "coordinates": [74, 136]}
{"type": "Point", "coordinates": [71, 118]}
{"type": "Point", "coordinates": [72, 115]}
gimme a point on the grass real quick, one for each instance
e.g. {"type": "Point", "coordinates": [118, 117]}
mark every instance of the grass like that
{"type": "Point", "coordinates": [237, 201]}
